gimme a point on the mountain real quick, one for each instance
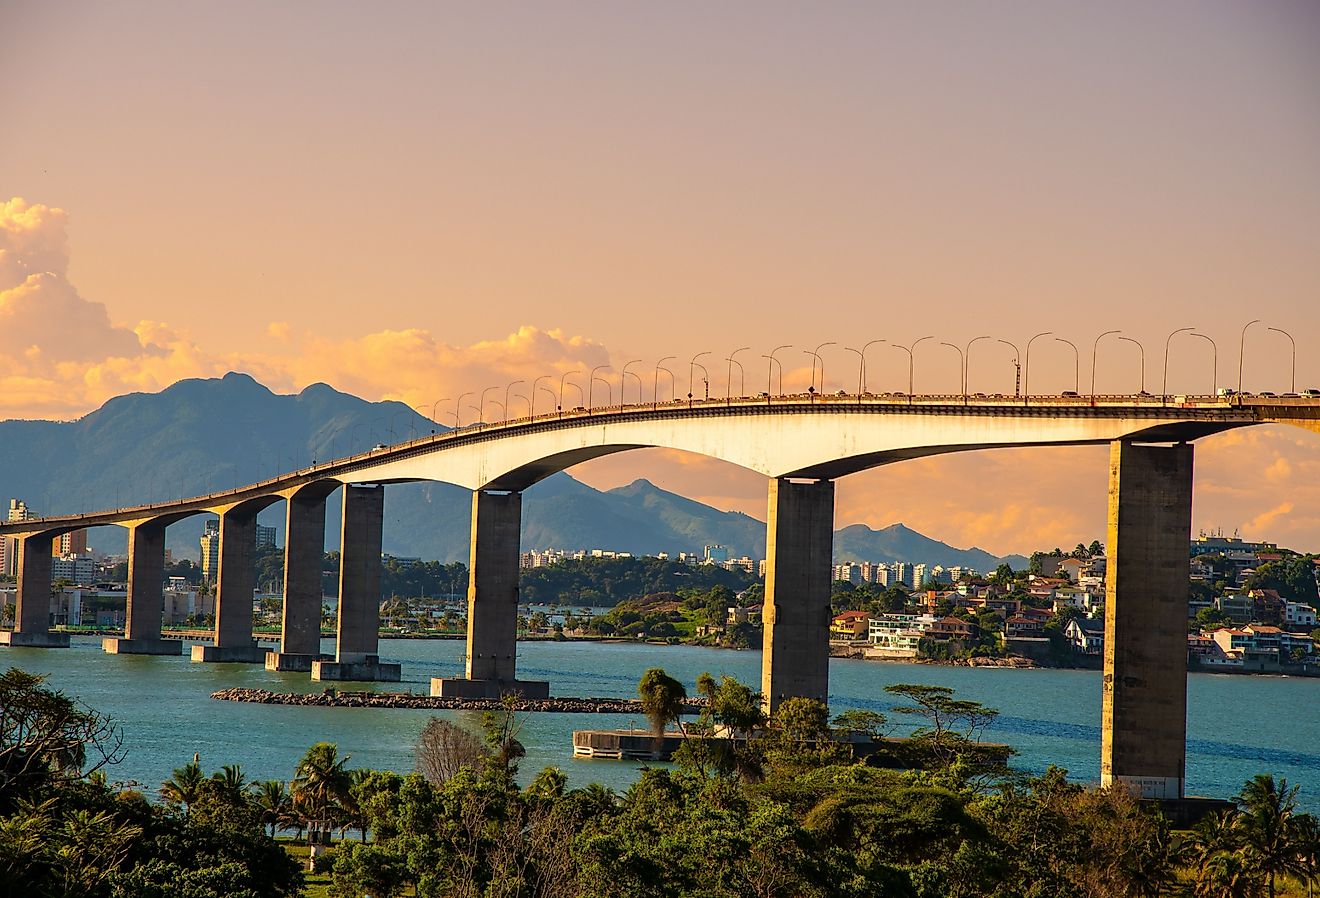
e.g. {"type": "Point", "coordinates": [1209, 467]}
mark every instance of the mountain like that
{"type": "Point", "coordinates": [857, 542]}
{"type": "Point", "coordinates": [206, 434]}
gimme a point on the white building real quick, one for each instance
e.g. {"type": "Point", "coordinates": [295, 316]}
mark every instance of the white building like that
{"type": "Point", "coordinates": [1299, 614]}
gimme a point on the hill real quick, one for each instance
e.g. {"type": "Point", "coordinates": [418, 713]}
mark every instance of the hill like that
{"type": "Point", "coordinates": [205, 434]}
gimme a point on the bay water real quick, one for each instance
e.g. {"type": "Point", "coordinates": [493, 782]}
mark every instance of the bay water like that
{"type": "Point", "coordinates": [1238, 726]}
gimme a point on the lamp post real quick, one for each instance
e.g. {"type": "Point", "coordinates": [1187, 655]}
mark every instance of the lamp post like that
{"type": "Point", "coordinates": [911, 351]}
{"type": "Point", "coordinates": [1143, 361]}
{"type": "Point", "coordinates": [1026, 367]}
{"type": "Point", "coordinates": [771, 369]}
{"type": "Point", "coordinates": [1164, 385]}
{"type": "Point", "coordinates": [504, 409]}
{"type": "Point", "coordinates": [1214, 362]}
{"type": "Point", "coordinates": [1077, 363]}
{"type": "Point", "coordinates": [458, 403]}
{"type": "Point", "coordinates": [623, 383]}
{"type": "Point", "coordinates": [742, 375]}
{"type": "Point", "coordinates": [1292, 388]}
{"type": "Point", "coordinates": [1095, 348]}
{"type": "Point", "coordinates": [861, 369]}
{"type": "Point", "coordinates": [967, 361]}
{"type": "Point", "coordinates": [560, 407]}
{"type": "Point", "coordinates": [1242, 346]}
{"type": "Point", "coordinates": [536, 385]}
{"type": "Point", "coordinates": [816, 357]}
{"type": "Point", "coordinates": [553, 397]}
{"type": "Point", "coordinates": [962, 379]}
{"type": "Point", "coordinates": [506, 398]}
{"type": "Point", "coordinates": [436, 405]}
{"type": "Point", "coordinates": [692, 365]}
{"type": "Point", "coordinates": [655, 389]}
{"type": "Point", "coordinates": [591, 386]}
{"type": "Point", "coordinates": [1017, 368]}
{"type": "Point", "coordinates": [867, 345]}
{"type": "Point", "coordinates": [483, 402]}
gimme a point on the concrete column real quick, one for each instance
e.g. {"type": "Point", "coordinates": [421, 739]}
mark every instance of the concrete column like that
{"type": "Point", "coordinates": [492, 636]}
{"type": "Point", "coordinates": [1144, 714]}
{"type": "Point", "coordinates": [357, 638]}
{"type": "Point", "coordinates": [236, 577]}
{"type": "Point", "coordinates": [304, 547]}
{"type": "Point", "coordinates": [32, 616]}
{"type": "Point", "coordinates": [799, 558]}
{"type": "Point", "coordinates": [146, 603]}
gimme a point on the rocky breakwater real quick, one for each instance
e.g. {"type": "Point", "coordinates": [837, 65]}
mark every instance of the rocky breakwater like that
{"type": "Point", "coordinates": [335, 698]}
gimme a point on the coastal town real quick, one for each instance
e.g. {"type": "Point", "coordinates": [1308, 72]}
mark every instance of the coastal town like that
{"type": "Point", "coordinates": [1251, 606]}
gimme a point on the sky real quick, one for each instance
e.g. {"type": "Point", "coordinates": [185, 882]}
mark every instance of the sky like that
{"type": "Point", "coordinates": [415, 200]}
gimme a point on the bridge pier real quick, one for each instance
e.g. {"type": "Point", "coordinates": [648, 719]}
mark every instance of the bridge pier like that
{"type": "Point", "coordinates": [304, 546]}
{"type": "Point", "coordinates": [32, 614]}
{"type": "Point", "coordinates": [235, 581]}
{"type": "Point", "coordinates": [1144, 713]}
{"type": "Point", "coordinates": [795, 656]}
{"type": "Point", "coordinates": [358, 637]}
{"type": "Point", "coordinates": [492, 637]}
{"type": "Point", "coordinates": [146, 602]}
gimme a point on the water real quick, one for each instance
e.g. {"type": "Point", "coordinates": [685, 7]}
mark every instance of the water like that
{"type": "Point", "coordinates": [1237, 725]}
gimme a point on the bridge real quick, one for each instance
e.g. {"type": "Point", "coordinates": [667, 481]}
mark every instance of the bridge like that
{"type": "Point", "coordinates": [801, 443]}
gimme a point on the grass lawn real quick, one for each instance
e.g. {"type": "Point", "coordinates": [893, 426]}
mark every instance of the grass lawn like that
{"type": "Point", "coordinates": [318, 884]}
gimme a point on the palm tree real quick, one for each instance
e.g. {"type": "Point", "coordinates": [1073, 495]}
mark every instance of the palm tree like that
{"type": "Point", "coordinates": [230, 778]}
{"type": "Point", "coordinates": [1216, 834]}
{"type": "Point", "coordinates": [320, 786]}
{"type": "Point", "coordinates": [1307, 830]}
{"type": "Point", "coordinates": [183, 786]}
{"type": "Point", "coordinates": [1268, 827]}
{"type": "Point", "coordinates": [271, 798]}
{"type": "Point", "coordinates": [662, 699]}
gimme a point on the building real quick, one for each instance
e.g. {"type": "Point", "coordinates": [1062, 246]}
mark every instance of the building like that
{"type": "Point", "coordinates": [1087, 637]}
{"type": "Point", "coordinates": [72, 543]}
{"type": "Point", "coordinates": [716, 554]}
{"type": "Point", "coordinates": [265, 537]}
{"type": "Point", "coordinates": [850, 625]}
{"type": "Point", "coordinates": [18, 511]}
{"type": "Point", "coordinates": [1299, 614]}
{"type": "Point", "coordinates": [80, 570]}
{"type": "Point", "coordinates": [211, 549]}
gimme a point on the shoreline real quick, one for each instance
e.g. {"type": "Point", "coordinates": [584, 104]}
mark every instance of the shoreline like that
{"type": "Point", "coordinates": [335, 698]}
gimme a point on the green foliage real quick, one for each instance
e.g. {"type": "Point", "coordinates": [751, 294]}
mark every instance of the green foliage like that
{"type": "Point", "coordinates": [609, 581]}
{"type": "Point", "coordinates": [1292, 577]}
{"type": "Point", "coordinates": [870, 724]}
{"type": "Point", "coordinates": [662, 699]}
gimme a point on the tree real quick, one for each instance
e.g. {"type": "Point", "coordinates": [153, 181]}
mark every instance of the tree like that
{"type": "Point", "coordinates": [802, 719]}
{"type": "Point", "coordinates": [46, 738]}
{"type": "Point", "coordinates": [951, 723]}
{"type": "Point", "coordinates": [662, 699]}
{"type": "Point", "coordinates": [443, 749]}
{"type": "Point", "coordinates": [184, 786]}
{"type": "Point", "coordinates": [1268, 829]}
{"type": "Point", "coordinates": [731, 704]}
{"type": "Point", "coordinates": [320, 786]}
{"type": "Point", "coordinates": [870, 724]}
{"type": "Point", "coordinates": [271, 798]}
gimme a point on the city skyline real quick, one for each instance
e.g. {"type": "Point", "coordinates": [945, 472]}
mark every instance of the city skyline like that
{"type": "Point", "coordinates": [413, 206]}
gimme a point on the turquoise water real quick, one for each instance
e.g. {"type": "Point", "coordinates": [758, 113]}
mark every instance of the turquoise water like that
{"type": "Point", "coordinates": [1237, 725]}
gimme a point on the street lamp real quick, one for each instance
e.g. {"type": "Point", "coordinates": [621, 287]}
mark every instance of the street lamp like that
{"type": "Point", "coordinates": [693, 364]}
{"type": "Point", "coordinates": [861, 369]}
{"type": "Point", "coordinates": [1077, 363]}
{"type": "Point", "coordinates": [482, 409]}
{"type": "Point", "coordinates": [967, 361]}
{"type": "Point", "coordinates": [623, 383]}
{"type": "Point", "coordinates": [771, 369]}
{"type": "Point", "coordinates": [536, 385]}
{"type": "Point", "coordinates": [562, 377]}
{"type": "Point", "coordinates": [910, 350]}
{"type": "Point", "coordinates": [1095, 347]}
{"type": "Point", "coordinates": [1242, 345]}
{"type": "Point", "coordinates": [504, 410]}
{"type": "Point", "coordinates": [1293, 385]}
{"type": "Point", "coordinates": [591, 386]}
{"type": "Point", "coordinates": [1214, 360]}
{"type": "Point", "coordinates": [436, 405]}
{"type": "Point", "coordinates": [742, 375]}
{"type": "Point", "coordinates": [506, 398]}
{"type": "Point", "coordinates": [1017, 368]}
{"type": "Point", "coordinates": [1026, 366]}
{"type": "Point", "coordinates": [961, 359]}
{"type": "Point", "coordinates": [816, 357]}
{"type": "Point", "coordinates": [865, 347]}
{"type": "Point", "coordinates": [1143, 361]}
{"type": "Point", "coordinates": [1164, 386]}
{"type": "Point", "coordinates": [655, 390]}
{"type": "Point", "coordinates": [458, 403]}
{"type": "Point", "coordinates": [553, 397]}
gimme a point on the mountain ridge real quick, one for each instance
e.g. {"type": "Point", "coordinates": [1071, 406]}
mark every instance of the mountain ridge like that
{"type": "Point", "coordinates": [204, 434]}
